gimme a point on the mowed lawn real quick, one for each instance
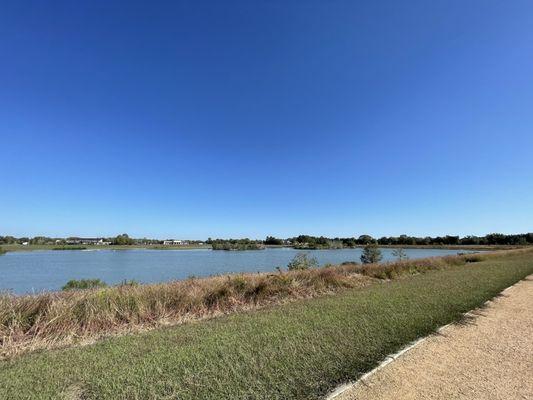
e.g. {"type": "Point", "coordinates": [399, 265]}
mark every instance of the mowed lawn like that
{"type": "Point", "coordinates": [300, 350]}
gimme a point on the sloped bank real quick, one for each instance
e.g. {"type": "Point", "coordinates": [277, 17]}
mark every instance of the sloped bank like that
{"type": "Point", "coordinates": [300, 350]}
{"type": "Point", "coordinates": [56, 319]}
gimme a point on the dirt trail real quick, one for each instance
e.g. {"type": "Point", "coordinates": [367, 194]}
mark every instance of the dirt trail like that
{"type": "Point", "coordinates": [489, 357]}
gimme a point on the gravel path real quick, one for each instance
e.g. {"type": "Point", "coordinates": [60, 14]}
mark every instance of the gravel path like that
{"type": "Point", "coordinates": [489, 357]}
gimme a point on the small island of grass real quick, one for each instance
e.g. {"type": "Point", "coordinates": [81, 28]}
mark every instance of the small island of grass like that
{"type": "Point", "coordinates": [237, 244]}
{"type": "Point", "coordinates": [70, 248]}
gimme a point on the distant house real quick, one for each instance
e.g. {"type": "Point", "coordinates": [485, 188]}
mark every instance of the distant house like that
{"type": "Point", "coordinates": [25, 243]}
{"type": "Point", "coordinates": [172, 242]}
{"type": "Point", "coordinates": [93, 241]}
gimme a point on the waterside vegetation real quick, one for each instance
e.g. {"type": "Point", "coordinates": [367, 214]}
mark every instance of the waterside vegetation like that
{"type": "Point", "coordinates": [371, 254]}
{"type": "Point", "coordinates": [305, 348]}
{"type": "Point", "coordinates": [70, 248]}
{"type": "Point", "coordinates": [60, 318]}
{"type": "Point", "coordinates": [75, 284]}
{"type": "Point", "coordinates": [236, 244]}
{"type": "Point", "coordinates": [493, 239]}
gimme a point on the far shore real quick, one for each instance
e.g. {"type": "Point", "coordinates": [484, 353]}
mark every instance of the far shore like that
{"type": "Point", "coordinates": [31, 247]}
{"type": "Point", "coordinates": [448, 246]}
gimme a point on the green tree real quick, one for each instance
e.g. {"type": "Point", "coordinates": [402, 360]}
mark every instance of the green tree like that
{"type": "Point", "coordinates": [273, 241]}
{"type": "Point", "coordinates": [123, 239]}
{"type": "Point", "coordinates": [371, 254]}
{"type": "Point", "coordinates": [365, 239]}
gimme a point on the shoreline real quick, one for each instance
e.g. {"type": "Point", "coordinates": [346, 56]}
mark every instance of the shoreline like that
{"type": "Point", "coordinates": [20, 248]}
{"type": "Point", "coordinates": [349, 328]}
{"type": "Point", "coordinates": [29, 248]}
{"type": "Point", "coordinates": [197, 298]}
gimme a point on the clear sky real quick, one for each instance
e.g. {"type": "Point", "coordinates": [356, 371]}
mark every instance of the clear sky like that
{"type": "Point", "coordinates": [248, 118]}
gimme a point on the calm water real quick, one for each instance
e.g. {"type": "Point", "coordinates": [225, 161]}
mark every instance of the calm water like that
{"type": "Point", "coordinates": [35, 271]}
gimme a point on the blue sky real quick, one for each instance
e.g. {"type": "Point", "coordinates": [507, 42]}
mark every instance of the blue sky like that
{"type": "Point", "coordinates": [239, 118]}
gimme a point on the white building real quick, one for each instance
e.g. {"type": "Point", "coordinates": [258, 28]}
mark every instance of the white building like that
{"type": "Point", "coordinates": [171, 242]}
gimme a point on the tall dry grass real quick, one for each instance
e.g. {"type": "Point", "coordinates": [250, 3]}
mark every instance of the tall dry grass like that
{"type": "Point", "coordinates": [56, 319]}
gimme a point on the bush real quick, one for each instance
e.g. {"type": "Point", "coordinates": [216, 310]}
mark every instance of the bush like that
{"type": "Point", "coordinates": [75, 284]}
{"type": "Point", "coordinates": [371, 254]}
{"type": "Point", "coordinates": [473, 258]}
{"type": "Point", "coordinates": [127, 282]}
{"type": "Point", "coordinates": [236, 244]}
{"type": "Point", "coordinates": [400, 254]}
{"type": "Point", "coordinates": [301, 262]}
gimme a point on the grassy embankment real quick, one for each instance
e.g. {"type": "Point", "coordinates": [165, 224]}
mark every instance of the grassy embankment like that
{"type": "Point", "coordinates": [296, 351]}
{"type": "Point", "coordinates": [55, 319]}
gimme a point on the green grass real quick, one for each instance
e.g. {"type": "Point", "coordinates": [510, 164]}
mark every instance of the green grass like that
{"type": "Point", "coordinates": [297, 351]}
{"type": "Point", "coordinates": [70, 248]}
{"type": "Point", "coordinates": [32, 247]}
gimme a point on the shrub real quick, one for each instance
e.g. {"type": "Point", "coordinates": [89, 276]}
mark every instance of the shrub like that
{"type": "Point", "coordinates": [400, 254]}
{"type": "Point", "coordinates": [371, 254]}
{"type": "Point", "coordinates": [75, 284]}
{"type": "Point", "coordinates": [128, 282]}
{"type": "Point", "coordinates": [238, 283]}
{"type": "Point", "coordinates": [473, 258]}
{"type": "Point", "coordinates": [236, 244]}
{"type": "Point", "coordinates": [301, 261]}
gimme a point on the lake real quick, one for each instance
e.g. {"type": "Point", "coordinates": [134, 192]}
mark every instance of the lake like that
{"type": "Point", "coordinates": [36, 271]}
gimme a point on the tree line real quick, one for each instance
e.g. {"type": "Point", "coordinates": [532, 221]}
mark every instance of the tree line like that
{"type": "Point", "coordinates": [405, 240]}
{"type": "Point", "coordinates": [121, 240]}
{"type": "Point", "coordinates": [304, 241]}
